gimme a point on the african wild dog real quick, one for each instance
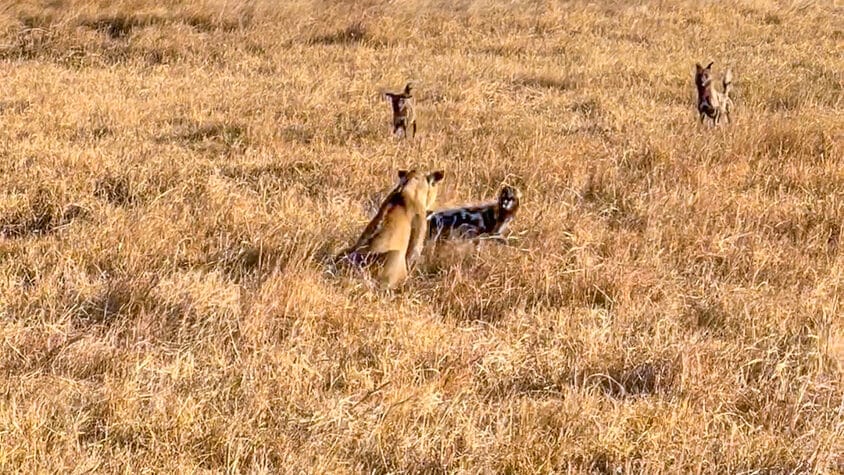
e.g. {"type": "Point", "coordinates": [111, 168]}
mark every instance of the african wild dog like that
{"type": "Point", "coordinates": [487, 220]}
{"type": "Point", "coordinates": [711, 103]}
{"type": "Point", "coordinates": [404, 116]}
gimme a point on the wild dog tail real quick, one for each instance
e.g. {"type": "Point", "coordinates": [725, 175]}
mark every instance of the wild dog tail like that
{"type": "Point", "coordinates": [728, 82]}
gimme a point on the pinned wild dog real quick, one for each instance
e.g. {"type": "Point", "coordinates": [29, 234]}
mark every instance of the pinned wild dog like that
{"type": "Point", "coordinates": [393, 240]}
{"type": "Point", "coordinates": [404, 116]}
{"type": "Point", "coordinates": [711, 103]}
{"type": "Point", "coordinates": [487, 220]}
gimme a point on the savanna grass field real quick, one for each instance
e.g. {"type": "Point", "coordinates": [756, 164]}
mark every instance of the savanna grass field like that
{"type": "Point", "coordinates": [176, 175]}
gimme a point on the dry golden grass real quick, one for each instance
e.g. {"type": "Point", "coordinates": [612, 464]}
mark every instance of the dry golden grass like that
{"type": "Point", "coordinates": [173, 179]}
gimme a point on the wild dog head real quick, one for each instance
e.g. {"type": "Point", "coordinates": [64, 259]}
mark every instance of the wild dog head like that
{"type": "Point", "coordinates": [710, 102]}
{"type": "Point", "coordinates": [508, 198]}
{"type": "Point", "coordinates": [400, 100]}
{"type": "Point", "coordinates": [703, 76]}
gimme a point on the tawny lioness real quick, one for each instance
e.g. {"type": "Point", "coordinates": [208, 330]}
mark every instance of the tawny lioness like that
{"type": "Point", "coordinates": [393, 240]}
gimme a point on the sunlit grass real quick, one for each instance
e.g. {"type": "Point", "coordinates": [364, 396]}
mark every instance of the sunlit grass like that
{"type": "Point", "coordinates": [174, 178]}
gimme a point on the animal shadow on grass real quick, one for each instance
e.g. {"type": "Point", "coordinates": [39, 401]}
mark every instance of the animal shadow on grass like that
{"type": "Point", "coordinates": [354, 33]}
{"type": "Point", "coordinates": [39, 217]}
{"type": "Point", "coordinates": [212, 137]}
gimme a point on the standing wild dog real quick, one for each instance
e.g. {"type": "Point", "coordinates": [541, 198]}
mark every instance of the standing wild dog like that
{"type": "Point", "coordinates": [404, 116]}
{"type": "Point", "coordinates": [711, 103]}
{"type": "Point", "coordinates": [393, 240]}
{"type": "Point", "coordinates": [485, 220]}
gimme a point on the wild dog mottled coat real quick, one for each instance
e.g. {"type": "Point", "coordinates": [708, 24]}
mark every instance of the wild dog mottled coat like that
{"type": "Point", "coordinates": [485, 220]}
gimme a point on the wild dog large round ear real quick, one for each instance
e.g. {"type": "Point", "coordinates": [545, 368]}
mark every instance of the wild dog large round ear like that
{"type": "Point", "coordinates": [709, 66]}
{"type": "Point", "coordinates": [403, 174]}
{"type": "Point", "coordinates": [436, 177]}
{"type": "Point", "coordinates": [388, 96]}
{"type": "Point", "coordinates": [698, 67]}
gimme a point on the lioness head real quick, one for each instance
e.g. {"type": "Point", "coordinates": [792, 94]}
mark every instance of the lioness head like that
{"type": "Point", "coordinates": [421, 186]}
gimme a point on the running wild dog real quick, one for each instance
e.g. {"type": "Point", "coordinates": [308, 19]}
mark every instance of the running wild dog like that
{"type": "Point", "coordinates": [711, 103]}
{"type": "Point", "coordinates": [485, 220]}
{"type": "Point", "coordinates": [404, 116]}
{"type": "Point", "coordinates": [393, 240]}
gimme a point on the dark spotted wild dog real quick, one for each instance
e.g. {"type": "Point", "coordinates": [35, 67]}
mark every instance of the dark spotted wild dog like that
{"type": "Point", "coordinates": [711, 103]}
{"type": "Point", "coordinates": [487, 220]}
{"type": "Point", "coordinates": [404, 116]}
{"type": "Point", "coordinates": [392, 241]}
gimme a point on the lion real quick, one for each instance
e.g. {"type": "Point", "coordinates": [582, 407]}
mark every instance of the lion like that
{"type": "Point", "coordinates": [392, 242]}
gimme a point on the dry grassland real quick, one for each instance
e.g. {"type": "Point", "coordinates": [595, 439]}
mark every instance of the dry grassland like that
{"type": "Point", "coordinates": [173, 179]}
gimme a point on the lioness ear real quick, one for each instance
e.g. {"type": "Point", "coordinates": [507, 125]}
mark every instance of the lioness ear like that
{"type": "Point", "coordinates": [435, 177]}
{"type": "Point", "coordinates": [709, 66]}
{"type": "Point", "coordinates": [403, 174]}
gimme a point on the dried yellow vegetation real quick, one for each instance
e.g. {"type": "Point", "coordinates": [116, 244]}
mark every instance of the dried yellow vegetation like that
{"type": "Point", "coordinates": [174, 177]}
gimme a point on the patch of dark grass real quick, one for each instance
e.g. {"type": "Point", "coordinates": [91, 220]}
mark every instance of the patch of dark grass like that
{"type": "Point", "coordinates": [785, 100]}
{"type": "Point", "coordinates": [547, 81]}
{"type": "Point", "coordinates": [297, 134]}
{"type": "Point", "coordinates": [116, 190]}
{"type": "Point", "coordinates": [616, 207]}
{"type": "Point", "coordinates": [121, 25]}
{"type": "Point", "coordinates": [349, 128]}
{"type": "Point", "coordinates": [643, 379]}
{"type": "Point", "coordinates": [353, 34]}
{"type": "Point", "coordinates": [36, 21]}
{"type": "Point", "coordinates": [589, 129]}
{"type": "Point", "coordinates": [242, 259]}
{"type": "Point", "coordinates": [707, 315]}
{"type": "Point", "coordinates": [772, 19]}
{"type": "Point", "coordinates": [634, 38]}
{"type": "Point", "coordinates": [502, 50]}
{"type": "Point", "coordinates": [238, 261]}
{"type": "Point", "coordinates": [208, 23]}
{"type": "Point", "coordinates": [14, 106]}
{"type": "Point", "coordinates": [227, 133]}
{"type": "Point", "coordinates": [218, 137]}
{"type": "Point", "coordinates": [120, 298]}
{"type": "Point", "coordinates": [98, 129]}
{"type": "Point", "coordinates": [29, 43]}
{"type": "Point", "coordinates": [589, 107]}
{"type": "Point", "coordinates": [296, 171]}
{"type": "Point", "coordinates": [41, 216]}
{"type": "Point", "coordinates": [309, 177]}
